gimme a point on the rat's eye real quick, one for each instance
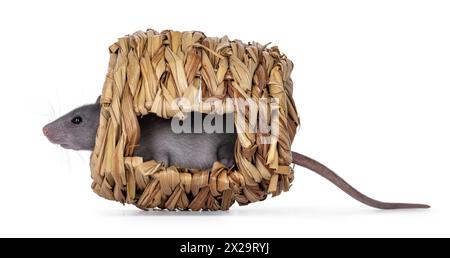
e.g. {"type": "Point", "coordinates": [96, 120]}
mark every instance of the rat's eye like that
{"type": "Point", "coordinates": [77, 120]}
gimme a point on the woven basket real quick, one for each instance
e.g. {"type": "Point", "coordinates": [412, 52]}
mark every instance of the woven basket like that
{"type": "Point", "coordinates": [147, 72]}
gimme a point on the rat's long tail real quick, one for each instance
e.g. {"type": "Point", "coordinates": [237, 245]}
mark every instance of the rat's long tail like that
{"type": "Point", "coordinates": [327, 173]}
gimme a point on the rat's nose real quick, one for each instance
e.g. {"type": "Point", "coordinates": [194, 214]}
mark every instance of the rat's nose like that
{"type": "Point", "coordinates": [45, 130]}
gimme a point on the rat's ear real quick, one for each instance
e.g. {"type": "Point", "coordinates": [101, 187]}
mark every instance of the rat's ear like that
{"type": "Point", "coordinates": [98, 99]}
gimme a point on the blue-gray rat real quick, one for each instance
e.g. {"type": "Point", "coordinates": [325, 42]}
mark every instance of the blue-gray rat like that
{"type": "Point", "coordinates": [77, 130]}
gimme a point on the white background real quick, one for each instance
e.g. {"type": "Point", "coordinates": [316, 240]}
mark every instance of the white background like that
{"type": "Point", "coordinates": [372, 86]}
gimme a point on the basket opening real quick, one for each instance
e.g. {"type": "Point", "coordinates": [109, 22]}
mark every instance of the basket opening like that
{"type": "Point", "coordinates": [192, 134]}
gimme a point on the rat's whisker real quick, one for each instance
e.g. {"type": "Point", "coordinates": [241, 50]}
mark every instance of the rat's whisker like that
{"type": "Point", "coordinates": [80, 156]}
{"type": "Point", "coordinates": [61, 158]}
{"type": "Point", "coordinates": [48, 116]}
{"type": "Point", "coordinates": [67, 159]}
{"type": "Point", "coordinates": [59, 102]}
{"type": "Point", "coordinates": [52, 111]}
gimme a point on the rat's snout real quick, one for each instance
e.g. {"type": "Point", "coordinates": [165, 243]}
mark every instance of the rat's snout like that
{"type": "Point", "coordinates": [47, 131]}
{"type": "Point", "coordinates": [50, 133]}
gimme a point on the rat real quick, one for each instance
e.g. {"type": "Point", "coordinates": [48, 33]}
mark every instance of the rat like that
{"type": "Point", "coordinates": [77, 130]}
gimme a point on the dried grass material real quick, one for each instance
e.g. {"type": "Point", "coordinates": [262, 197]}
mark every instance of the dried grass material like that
{"type": "Point", "coordinates": [147, 72]}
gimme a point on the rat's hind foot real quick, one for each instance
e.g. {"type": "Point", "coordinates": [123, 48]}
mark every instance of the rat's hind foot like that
{"type": "Point", "coordinates": [227, 162]}
{"type": "Point", "coordinates": [225, 154]}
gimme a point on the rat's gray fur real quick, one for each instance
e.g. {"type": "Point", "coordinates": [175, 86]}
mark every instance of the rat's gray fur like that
{"type": "Point", "coordinates": [158, 141]}
{"type": "Point", "coordinates": [187, 150]}
{"type": "Point", "coordinates": [72, 136]}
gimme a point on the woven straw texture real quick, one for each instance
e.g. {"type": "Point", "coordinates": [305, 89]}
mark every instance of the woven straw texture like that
{"type": "Point", "coordinates": [147, 72]}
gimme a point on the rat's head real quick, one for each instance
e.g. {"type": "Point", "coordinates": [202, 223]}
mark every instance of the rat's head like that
{"type": "Point", "coordinates": [75, 130]}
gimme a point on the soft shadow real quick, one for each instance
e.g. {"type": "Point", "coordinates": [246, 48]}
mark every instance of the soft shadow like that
{"type": "Point", "coordinates": [306, 212]}
{"type": "Point", "coordinates": [163, 213]}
